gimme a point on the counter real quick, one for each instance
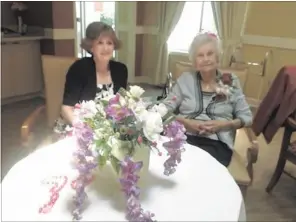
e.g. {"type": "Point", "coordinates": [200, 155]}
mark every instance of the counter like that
{"type": "Point", "coordinates": [21, 38]}
{"type": "Point", "coordinates": [21, 74]}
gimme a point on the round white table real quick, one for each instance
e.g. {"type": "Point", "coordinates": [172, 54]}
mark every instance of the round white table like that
{"type": "Point", "coordinates": [200, 190]}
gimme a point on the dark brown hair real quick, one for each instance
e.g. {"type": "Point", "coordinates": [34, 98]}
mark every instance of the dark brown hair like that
{"type": "Point", "coordinates": [96, 29]}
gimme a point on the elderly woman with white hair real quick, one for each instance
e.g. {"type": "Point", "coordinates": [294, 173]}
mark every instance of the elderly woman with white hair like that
{"type": "Point", "coordinates": [210, 104]}
{"type": "Point", "coordinates": [94, 77]}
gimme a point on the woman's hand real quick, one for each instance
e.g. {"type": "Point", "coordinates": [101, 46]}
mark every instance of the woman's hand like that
{"type": "Point", "coordinates": [206, 127]}
{"type": "Point", "coordinates": [191, 125]}
{"type": "Point", "coordinates": [213, 126]}
{"type": "Point", "coordinates": [67, 112]}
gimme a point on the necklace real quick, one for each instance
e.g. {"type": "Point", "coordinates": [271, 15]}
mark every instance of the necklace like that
{"type": "Point", "coordinates": [208, 86]}
{"type": "Point", "coordinates": [56, 184]}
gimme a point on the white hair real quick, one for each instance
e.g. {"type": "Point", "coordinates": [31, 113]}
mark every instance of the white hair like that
{"type": "Point", "coordinates": [201, 39]}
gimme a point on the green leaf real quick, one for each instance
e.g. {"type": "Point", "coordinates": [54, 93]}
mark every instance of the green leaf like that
{"type": "Point", "coordinates": [104, 102]}
{"type": "Point", "coordinates": [129, 119]}
{"type": "Point", "coordinates": [168, 115]}
{"type": "Point", "coordinates": [122, 92]}
{"type": "Point", "coordinates": [169, 120]}
{"type": "Point", "coordinates": [102, 161]}
{"type": "Point", "coordinates": [115, 163]}
{"type": "Point", "coordinates": [105, 150]}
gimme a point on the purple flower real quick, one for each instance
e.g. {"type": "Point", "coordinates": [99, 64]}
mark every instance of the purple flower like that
{"type": "Point", "coordinates": [176, 132]}
{"type": "Point", "coordinates": [81, 153]}
{"type": "Point", "coordinates": [114, 100]}
{"type": "Point", "coordinates": [130, 167]}
{"type": "Point", "coordinates": [84, 134]}
{"type": "Point", "coordinates": [118, 113]}
{"type": "Point", "coordinates": [84, 165]}
{"type": "Point", "coordinates": [134, 211]}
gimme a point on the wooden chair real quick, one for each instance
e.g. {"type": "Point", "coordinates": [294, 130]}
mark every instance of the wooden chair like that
{"type": "Point", "coordinates": [287, 153]}
{"type": "Point", "coordinates": [246, 146]}
{"type": "Point", "coordinates": [54, 72]}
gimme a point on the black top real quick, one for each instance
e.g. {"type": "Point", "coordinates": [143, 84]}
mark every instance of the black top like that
{"type": "Point", "coordinates": [81, 80]}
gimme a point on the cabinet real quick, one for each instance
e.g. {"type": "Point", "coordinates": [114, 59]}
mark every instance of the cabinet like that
{"type": "Point", "coordinates": [139, 32]}
{"type": "Point", "coordinates": [21, 72]}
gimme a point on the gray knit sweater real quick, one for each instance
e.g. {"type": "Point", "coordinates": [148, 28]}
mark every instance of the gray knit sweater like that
{"type": "Point", "coordinates": [190, 102]}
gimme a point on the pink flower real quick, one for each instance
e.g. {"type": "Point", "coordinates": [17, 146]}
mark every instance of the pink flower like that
{"type": "Point", "coordinates": [77, 106]}
{"type": "Point", "coordinates": [140, 139]}
{"type": "Point", "coordinates": [226, 79]}
{"type": "Point", "coordinates": [212, 35]}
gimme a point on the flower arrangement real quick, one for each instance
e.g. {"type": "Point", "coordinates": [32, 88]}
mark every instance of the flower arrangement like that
{"type": "Point", "coordinates": [99, 128]}
{"type": "Point", "coordinates": [19, 7]}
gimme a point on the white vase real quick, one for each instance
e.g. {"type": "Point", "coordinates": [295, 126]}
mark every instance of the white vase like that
{"type": "Point", "coordinates": [106, 182]}
{"type": "Point", "coordinates": [108, 172]}
{"type": "Point", "coordinates": [142, 153]}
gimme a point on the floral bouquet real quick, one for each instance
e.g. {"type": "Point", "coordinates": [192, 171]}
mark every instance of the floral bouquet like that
{"type": "Point", "coordinates": [19, 8]}
{"type": "Point", "coordinates": [225, 87]}
{"type": "Point", "coordinates": [111, 131]}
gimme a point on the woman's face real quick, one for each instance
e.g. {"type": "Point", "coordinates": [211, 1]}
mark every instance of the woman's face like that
{"type": "Point", "coordinates": [206, 59]}
{"type": "Point", "coordinates": [102, 48]}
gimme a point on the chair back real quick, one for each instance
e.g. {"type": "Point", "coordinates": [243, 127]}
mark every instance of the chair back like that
{"type": "Point", "coordinates": [180, 68]}
{"type": "Point", "coordinates": [55, 69]}
{"type": "Point", "coordinates": [240, 72]}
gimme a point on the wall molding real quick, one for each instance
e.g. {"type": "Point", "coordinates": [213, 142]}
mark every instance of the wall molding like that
{"type": "Point", "coordinates": [152, 30]}
{"type": "Point", "coordinates": [59, 34]}
{"type": "Point", "coordinates": [270, 41]}
{"type": "Point", "coordinates": [142, 79]}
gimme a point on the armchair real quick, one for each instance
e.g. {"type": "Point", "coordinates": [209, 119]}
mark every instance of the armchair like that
{"type": "Point", "coordinates": [246, 146]}
{"type": "Point", "coordinates": [54, 74]}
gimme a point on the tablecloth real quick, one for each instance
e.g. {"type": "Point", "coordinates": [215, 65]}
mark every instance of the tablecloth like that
{"type": "Point", "coordinates": [200, 190]}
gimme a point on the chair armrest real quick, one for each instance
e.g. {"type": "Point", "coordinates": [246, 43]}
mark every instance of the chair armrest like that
{"type": "Point", "coordinates": [246, 149]}
{"type": "Point", "coordinates": [29, 124]}
{"type": "Point", "coordinates": [252, 152]}
{"type": "Point", "coordinates": [292, 123]}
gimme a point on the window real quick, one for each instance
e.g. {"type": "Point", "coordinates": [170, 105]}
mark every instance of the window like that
{"type": "Point", "coordinates": [196, 17]}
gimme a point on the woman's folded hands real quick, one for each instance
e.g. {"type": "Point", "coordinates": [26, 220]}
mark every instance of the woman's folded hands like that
{"type": "Point", "coordinates": [205, 127]}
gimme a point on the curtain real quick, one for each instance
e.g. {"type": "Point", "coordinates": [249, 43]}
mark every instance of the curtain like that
{"type": "Point", "coordinates": [169, 16]}
{"type": "Point", "coordinates": [230, 21]}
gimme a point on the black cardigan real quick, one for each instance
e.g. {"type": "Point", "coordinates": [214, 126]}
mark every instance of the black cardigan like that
{"type": "Point", "coordinates": [81, 80]}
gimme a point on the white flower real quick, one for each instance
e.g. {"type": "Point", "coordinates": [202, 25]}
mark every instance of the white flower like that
{"type": "Point", "coordinates": [108, 97]}
{"type": "Point", "coordinates": [98, 134]}
{"type": "Point", "coordinates": [86, 110]}
{"type": "Point", "coordinates": [140, 114]}
{"type": "Point", "coordinates": [152, 125]}
{"type": "Point", "coordinates": [122, 101]}
{"type": "Point", "coordinates": [132, 104]}
{"type": "Point", "coordinates": [101, 110]}
{"type": "Point", "coordinates": [161, 109]}
{"type": "Point", "coordinates": [136, 91]}
{"type": "Point", "coordinates": [104, 130]}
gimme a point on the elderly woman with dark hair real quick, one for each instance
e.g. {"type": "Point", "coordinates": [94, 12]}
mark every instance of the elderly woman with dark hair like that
{"type": "Point", "coordinates": [211, 105]}
{"type": "Point", "coordinates": [93, 77]}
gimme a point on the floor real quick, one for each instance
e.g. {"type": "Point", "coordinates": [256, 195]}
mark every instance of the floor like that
{"type": "Point", "coordinates": [260, 206]}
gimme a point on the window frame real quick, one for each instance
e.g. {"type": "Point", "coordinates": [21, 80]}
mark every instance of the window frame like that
{"type": "Point", "coordinates": [200, 29]}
